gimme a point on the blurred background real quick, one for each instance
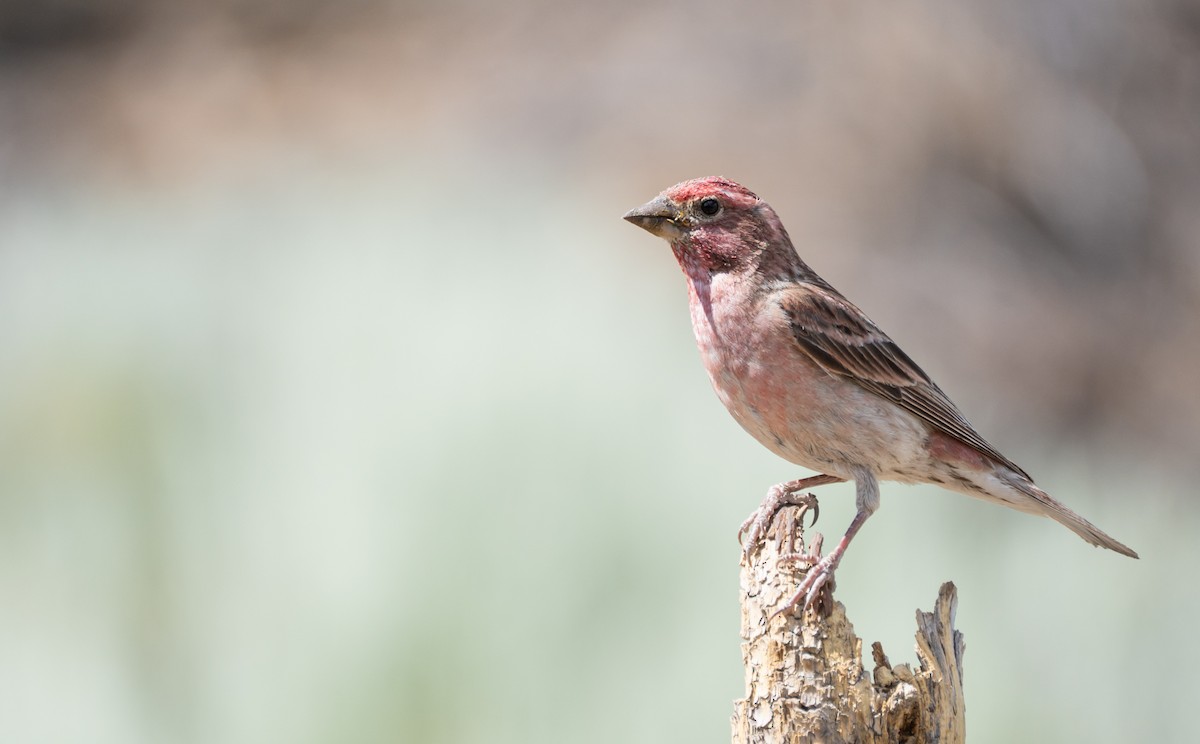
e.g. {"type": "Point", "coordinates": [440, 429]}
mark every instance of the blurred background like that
{"type": "Point", "coordinates": [337, 403]}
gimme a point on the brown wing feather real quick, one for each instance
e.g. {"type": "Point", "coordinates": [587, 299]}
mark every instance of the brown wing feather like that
{"type": "Point", "coordinates": [844, 341]}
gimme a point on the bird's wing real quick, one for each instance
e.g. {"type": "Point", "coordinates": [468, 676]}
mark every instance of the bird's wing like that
{"type": "Point", "coordinates": [843, 341]}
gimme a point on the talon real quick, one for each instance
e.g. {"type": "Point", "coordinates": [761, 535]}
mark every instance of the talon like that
{"type": "Point", "coordinates": [809, 591]}
{"type": "Point", "coordinates": [755, 528]}
{"type": "Point", "coordinates": [745, 526]}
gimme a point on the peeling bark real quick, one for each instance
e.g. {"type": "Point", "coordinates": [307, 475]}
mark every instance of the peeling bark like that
{"type": "Point", "coordinates": [805, 679]}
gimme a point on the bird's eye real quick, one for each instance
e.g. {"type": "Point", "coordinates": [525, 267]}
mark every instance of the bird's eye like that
{"type": "Point", "coordinates": [710, 206]}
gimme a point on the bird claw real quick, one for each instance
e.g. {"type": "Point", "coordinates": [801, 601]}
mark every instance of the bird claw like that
{"type": "Point", "coordinates": [804, 560]}
{"type": "Point", "coordinates": [809, 594]}
{"type": "Point", "coordinates": [757, 525]}
{"type": "Point", "coordinates": [817, 586]}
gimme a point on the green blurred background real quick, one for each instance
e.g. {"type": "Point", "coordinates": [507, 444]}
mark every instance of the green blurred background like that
{"type": "Point", "coordinates": [338, 404]}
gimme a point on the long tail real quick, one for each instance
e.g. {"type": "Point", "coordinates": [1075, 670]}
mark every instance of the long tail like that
{"type": "Point", "coordinates": [1047, 505]}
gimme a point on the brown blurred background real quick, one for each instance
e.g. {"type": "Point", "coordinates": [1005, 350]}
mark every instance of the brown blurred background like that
{"type": "Point", "coordinates": [337, 402]}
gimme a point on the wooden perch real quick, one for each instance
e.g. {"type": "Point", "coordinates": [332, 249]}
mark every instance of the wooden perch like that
{"type": "Point", "coordinates": [805, 679]}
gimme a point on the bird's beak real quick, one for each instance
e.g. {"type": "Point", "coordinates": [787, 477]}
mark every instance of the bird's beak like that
{"type": "Point", "coordinates": [658, 216]}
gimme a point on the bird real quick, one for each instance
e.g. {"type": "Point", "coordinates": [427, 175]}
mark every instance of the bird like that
{"type": "Point", "coordinates": [817, 382]}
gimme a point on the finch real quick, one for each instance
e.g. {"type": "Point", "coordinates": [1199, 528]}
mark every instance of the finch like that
{"type": "Point", "coordinates": [813, 379]}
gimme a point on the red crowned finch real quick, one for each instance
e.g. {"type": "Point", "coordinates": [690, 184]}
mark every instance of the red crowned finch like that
{"type": "Point", "coordinates": [814, 379]}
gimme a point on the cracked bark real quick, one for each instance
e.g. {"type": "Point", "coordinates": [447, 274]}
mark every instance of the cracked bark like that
{"type": "Point", "coordinates": [805, 678]}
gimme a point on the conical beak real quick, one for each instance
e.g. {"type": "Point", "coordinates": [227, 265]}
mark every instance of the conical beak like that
{"type": "Point", "coordinates": [657, 216]}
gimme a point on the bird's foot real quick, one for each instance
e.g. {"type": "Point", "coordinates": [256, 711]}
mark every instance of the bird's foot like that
{"type": "Point", "coordinates": [816, 591]}
{"type": "Point", "coordinates": [756, 526]}
{"type": "Point", "coordinates": [790, 557]}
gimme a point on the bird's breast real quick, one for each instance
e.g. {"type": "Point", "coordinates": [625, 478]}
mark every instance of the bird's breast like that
{"type": "Point", "coordinates": [784, 399]}
{"type": "Point", "coordinates": [754, 368]}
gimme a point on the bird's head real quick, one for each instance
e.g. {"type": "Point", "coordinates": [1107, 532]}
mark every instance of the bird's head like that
{"type": "Point", "coordinates": [713, 224]}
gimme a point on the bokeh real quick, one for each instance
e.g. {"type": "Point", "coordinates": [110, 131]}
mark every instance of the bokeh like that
{"type": "Point", "coordinates": [337, 403]}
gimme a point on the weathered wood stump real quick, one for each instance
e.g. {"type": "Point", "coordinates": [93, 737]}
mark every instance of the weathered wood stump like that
{"type": "Point", "coordinates": [805, 679]}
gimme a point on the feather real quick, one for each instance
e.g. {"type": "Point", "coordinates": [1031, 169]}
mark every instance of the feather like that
{"type": "Point", "coordinates": [840, 338]}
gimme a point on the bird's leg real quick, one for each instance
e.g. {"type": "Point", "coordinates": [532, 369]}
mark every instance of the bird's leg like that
{"type": "Point", "coordinates": [867, 501]}
{"type": "Point", "coordinates": [780, 495]}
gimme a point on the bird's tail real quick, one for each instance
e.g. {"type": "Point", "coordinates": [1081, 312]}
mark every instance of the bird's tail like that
{"type": "Point", "coordinates": [1043, 503]}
